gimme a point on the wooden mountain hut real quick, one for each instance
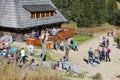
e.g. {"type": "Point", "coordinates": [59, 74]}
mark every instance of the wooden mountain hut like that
{"type": "Point", "coordinates": [25, 15]}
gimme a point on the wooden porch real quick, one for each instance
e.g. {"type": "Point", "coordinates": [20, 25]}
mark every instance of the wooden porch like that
{"type": "Point", "coordinates": [60, 36]}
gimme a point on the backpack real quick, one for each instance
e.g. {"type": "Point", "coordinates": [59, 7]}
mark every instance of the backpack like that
{"type": "Point", "coordinates": [90, 53]}
{"type": "Point", "coordinates": [109, 50]}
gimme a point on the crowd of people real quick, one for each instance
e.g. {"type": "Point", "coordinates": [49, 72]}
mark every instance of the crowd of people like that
{"type": "Point", "coordinates": [7, 36]}
{"type": "Point", "coordinates": [50, 32]}
{"type": "Point", "coordinates": [72, 44]}
{"type": "Point", "coordinates": [20, 57]}
{"type": "Point", "coordinates": [16, 55]}
{"type": "Point", "coordinates": [110, 33]}
{"type": "Point", "coordinates": [64, 64]}
{"type": "Point", "coordinates": [98, 55]}
{"type": "Point", "coordinates": [105, 42]}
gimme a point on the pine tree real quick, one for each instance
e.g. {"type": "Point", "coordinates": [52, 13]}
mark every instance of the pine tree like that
{"type": "Point", "coordinates": [99, 11]}
{"type": "Point", "coordinates": [85, 17]}
{"type": "Point", "coordinates": [75, 9]}
{"type": "Point", "coordinates": [88, 13]}
{"type": "Point", "coordinates": [111, 7]}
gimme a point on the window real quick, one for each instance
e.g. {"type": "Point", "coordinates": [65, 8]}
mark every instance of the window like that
{"type": "Point", "coordinates": [47, 14]}
{"type": "Point", "coordinates": [40, 11]}
{"type": "Point", "coordinates": [33, 15]}
{"type": "Point", "coordinates": [42, 14]}
{"type": "Point", "coordinates": [38, 15]}
{"type": "Point", "coordinates": [52, 13]}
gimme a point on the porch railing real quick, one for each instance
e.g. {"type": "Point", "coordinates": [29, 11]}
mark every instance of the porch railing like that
{"type": "Point", "coordinates": [60, 36]}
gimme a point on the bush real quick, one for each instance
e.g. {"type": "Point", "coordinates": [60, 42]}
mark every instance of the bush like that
{"type": "Point", "coordinates": [81, 76]}
{"type": "Point", "coordinates": [117, 35]}
{"type": "Point", "coordinates": [115, 19]}
{"type": "Point", "coordinates": [98, 76]}
{"type": "Point", "coordinates": [92, 31]}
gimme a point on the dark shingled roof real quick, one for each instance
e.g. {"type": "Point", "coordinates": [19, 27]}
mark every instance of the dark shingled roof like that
{"type": "Point", "coordinates": [39, 8]}
{"type": "Point", "coordinates": [14, 15]}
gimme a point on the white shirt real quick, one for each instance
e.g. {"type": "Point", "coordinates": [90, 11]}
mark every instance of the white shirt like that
{"type": "Point", "coordinates": [62, 43]}
{"type": "Point", "coordinates": [22, 53]}
{"type": "Point", "coordinates": [30, 47]}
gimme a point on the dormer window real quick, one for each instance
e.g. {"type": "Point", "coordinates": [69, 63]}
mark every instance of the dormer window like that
{"type": "Point", "coordinates": [39, 11]}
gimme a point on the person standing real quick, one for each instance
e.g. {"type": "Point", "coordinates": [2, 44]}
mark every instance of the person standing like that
{"type": "Point", "coordinates": [90, 55]}
{"type": "Point", "coordinates": [62, 46]}
{"type": "Point", "coordinates": [75, 46]}
{"type": "Point", "coordinates": [56, 45]}
{"type": "Point", "coordinates": [108, 50]}
{"type": "Point", "coordinates": [37, 34]}
{"type": "Point", "coordinates": [104, 41]}
{"type": "Point", "coordinates": [23, 54]}
{"type": "Point", "coordinates": [66, 54]}
{"type": "Point", "coordinates": [30, 49]}
{"type": "Point", "coordinates": [71, 43]}
{"type": "Point", "coordinates": [99, 54]}
{"type": "Point", "coordinates": [13, 49]}
{"type": "Point", "coordinates": [108, 33]}
{"type": "Point", "coordinates": [112, 33]}
{"type": "Point", "coordinates": [103, 52]}
{"type": "Point", "coordinates": [107, 42]}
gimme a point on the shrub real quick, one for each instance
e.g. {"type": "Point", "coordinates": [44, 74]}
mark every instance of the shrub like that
{"type": "Point", "coordinates": [117, 35]}
{"type": "Point", "coordinates": [98, 76]}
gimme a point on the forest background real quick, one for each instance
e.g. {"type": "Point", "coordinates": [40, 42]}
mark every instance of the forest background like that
{"type": "Point", "coordinates": [90, 13]}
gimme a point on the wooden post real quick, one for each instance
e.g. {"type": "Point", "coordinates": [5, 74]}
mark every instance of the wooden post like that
{"type": "Point", "coordinates": [49, 13]}
{"type": "Point", "coordinates": [35, 15]}
{"type": "Point", "coordinates": [44, 14]}
{"type": "Point", "coordinates": [14, 56]}
{"type": "Point", "coordinates": [40, 14]}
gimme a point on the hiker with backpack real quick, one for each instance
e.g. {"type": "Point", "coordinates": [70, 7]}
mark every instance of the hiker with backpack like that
{"type": "Point", "coordinates": [62, 46]}
{"type": "Point", "coordinates": [103, 52]}
{"type": "Point", "coordinates": [90, 55]}
{"type": "Point", "coordinates": [107, 42]}
{"type": "Point", "coordinates": [108, 50]}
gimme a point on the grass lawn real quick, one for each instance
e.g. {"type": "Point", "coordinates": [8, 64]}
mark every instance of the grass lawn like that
{"type": "Point", "coordinates": [80, 39]}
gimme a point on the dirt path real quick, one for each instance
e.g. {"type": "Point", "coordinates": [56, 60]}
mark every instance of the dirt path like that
{"type": "Point", "coordinates": [108, 69]}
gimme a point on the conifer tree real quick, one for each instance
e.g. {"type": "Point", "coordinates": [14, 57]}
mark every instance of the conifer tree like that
{"type": "Point", "coordinates": [88, 13]}
{"type": "Point", "coordinates": [85, 18]}
{"type": "Point", "coordinates": [111, 7]}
